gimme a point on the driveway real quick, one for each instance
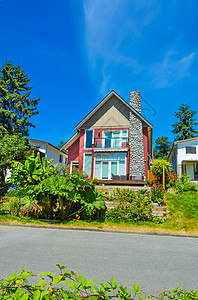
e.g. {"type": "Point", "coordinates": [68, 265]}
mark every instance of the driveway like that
{"type": "Point", "coordinates": [155, 262]}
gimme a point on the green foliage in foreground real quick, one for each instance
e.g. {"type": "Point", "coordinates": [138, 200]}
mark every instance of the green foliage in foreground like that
{"type": "Point", "coordinates": [68, 285]}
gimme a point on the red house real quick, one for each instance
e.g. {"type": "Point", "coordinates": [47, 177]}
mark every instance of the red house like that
{"type": "Point", "coordinates": [113, 142]}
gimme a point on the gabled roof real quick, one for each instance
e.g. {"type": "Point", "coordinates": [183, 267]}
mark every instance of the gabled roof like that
{"type": "Point", "coordinates": [71, 140]}
{"type": "Point", "coordinates": [104, 101]}
{"type": "Point", "coordinates": [77, 134]}
{"type": "Point", "coordinates": [47, 144]}
{"type": "Point", "coordinates": [174, 146]}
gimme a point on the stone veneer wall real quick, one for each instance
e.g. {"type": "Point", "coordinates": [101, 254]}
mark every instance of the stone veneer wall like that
{"type": "Point", "coordinates": [137, 162]}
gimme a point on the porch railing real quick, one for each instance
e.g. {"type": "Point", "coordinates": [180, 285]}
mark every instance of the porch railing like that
{"type": "Point", "coordinates": [111, 143]}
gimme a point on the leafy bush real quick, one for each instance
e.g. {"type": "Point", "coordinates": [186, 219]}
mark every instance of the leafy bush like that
{"type": "Point", "coordinates": [150, 182]}
{"type": "Point", "coordinates": [33, 171]}
{"type": "Point", "coordinates": [158, 220]}
{"type": "Point", "coordinates": [157, 168]}
{"type": "Point", "coordinates": [15, 206]}
{"type": "Point", "coordinates": [184, 184]}
{"type": "Point", "coordinates": [68, 285]}
{"type": "Point", "coordinates": [157, 194]}
{"type": "Point", "coordinates": [64, 197]}
{"type": "Point", "coordinates": [4, 208]}
{"type": "Point", "coordinates": [132, 206]}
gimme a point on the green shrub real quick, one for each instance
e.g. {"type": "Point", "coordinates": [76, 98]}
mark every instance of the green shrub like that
{"type": "Point", "coordinates": [184, 184]}
{"type": "Point", "coordinates": [150, 182]}
{"type": "Point", "coordinates": [33, 171]}
{"type": "Point", "coordinates": [15, 205]}
{"type": "Point", "coordinates": [4, 208]}
{"type": "Point", "coordinates": [157, 169]}
{"type": "Point", "coordinates": [157, 194]}
{"type": "Point", "coordinates": [68, 285]}
{"type": "Point", "coordinates": [132, 207]}
{"type": "Point", "coordinates": [64, 197]}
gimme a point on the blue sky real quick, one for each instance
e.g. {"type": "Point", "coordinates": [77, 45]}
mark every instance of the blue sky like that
{"type": "Point", "coordinates": [76, 52]}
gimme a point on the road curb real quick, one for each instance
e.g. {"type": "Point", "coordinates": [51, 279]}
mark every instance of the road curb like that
{"type": "Point", "coordinates": [154, 233]}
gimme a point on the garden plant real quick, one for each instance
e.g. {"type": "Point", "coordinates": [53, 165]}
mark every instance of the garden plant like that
{"type": "Point", "coordinates": [68, 285]}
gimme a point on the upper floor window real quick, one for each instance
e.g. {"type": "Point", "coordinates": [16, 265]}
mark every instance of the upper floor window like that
{"type": "Point", "coordinates": [115, 139]}
{"type": "Point", "coordinates": [190, 150]}
{"type": "Point", "coordinates": [88, 139]}
{"type": "Point", "coordinates": [60, 158]}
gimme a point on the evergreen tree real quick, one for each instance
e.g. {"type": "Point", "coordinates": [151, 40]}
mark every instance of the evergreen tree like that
{"type": "Point", "coordinates": [13, 147]}
{"type": "Point", "coordinates": [162, 147]}
{"type": "Point", "coordinates": [186, 123]}
{"type": "Point", "coordinates": [15, 106]}
{"type": "Point", "coordinates": [61, 144]}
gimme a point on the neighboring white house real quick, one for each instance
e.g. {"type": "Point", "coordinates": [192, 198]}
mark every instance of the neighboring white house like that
{"type": "Point", "coordinates": [184, 157]}
{"type": "Point", "coordinates": [46, 150]}
{"type": "Point", "coordinates": [50, 151]}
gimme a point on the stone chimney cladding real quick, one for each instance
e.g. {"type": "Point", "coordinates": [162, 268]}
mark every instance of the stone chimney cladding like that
{"type": "Point", "coordinates": [135, 100]}
{"type": "Point", "coordinates": [137, 163]}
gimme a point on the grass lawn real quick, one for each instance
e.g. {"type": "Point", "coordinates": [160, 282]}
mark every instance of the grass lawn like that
{"type": "Point", "coordinates": [182, 210]}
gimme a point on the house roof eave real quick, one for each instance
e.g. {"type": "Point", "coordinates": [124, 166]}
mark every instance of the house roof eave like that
{"type": "Point", "coordinates": [93, 111]}
{"type": "Point", "coordinates": [74, 137]}
{"type": "Point", "coordinates": [47, 144]}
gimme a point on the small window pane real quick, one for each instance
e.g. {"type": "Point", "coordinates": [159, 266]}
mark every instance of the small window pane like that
{"type": "Point", "coordinates": [105, 167]}
{"type": "Point", "coordinates": [124, 133]}
{"type": "Point", "coordinates": [97, 169]}
{"type": "Point", "coordinates": [114, 168]}
{"type": "Point", "coordinates": [89, 138]}
{"type": "Point", "coordinates": [190, 150]}
{"type": "Point", "coordinates": [122, 169]}
{"type": "Point", "coordinates": [88, 160]}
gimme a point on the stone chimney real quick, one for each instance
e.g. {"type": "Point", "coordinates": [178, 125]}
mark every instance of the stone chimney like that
{"type": "Point", "coordinates": [135, 100]}
{"type": "Point", "coordinates": [137, 163]}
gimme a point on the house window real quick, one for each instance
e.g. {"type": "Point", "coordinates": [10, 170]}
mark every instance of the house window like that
{"type": "Point", "coordinates": [60, 159]}
{"type": "Point", "coordinates": [115, 139]}
{"type": "Point", "coordinates": [88, 139]}
{"type": "Point", "coordinates": [108, 164]}
{"type": "Point", "coordinates": [87, 163]}
{"type": "Point", "coordinates": [190, 150]}
{"type": "Point", "coordinates": [74, 165]}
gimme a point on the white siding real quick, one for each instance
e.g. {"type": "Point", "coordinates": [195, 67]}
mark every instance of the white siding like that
{"type": "Point", "coordinates": [181, 149]}
{"type": "Point", "coordinates": [50, 153]}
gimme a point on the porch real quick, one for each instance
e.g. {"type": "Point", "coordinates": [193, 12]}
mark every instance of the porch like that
{"type": "Point", "coordinates": [191, 168]}
{"type": "Point", "coordinates": [124, 180]}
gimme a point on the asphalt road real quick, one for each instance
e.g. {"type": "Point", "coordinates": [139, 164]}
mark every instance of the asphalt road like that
{"type": "Point", "coordinates": [155, 262]}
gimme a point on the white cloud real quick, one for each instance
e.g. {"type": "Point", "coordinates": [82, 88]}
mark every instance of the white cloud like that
{"type": "Point", "coordinates": [111, 30]}
{"type": "Point", "coordinates": [172, 68]}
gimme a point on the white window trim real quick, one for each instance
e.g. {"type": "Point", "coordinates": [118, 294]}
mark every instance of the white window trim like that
{"type": "Point", "coordinates": [121, 136]}
{"type": "Point", "coordinates": [109, 167]}
{"type": "Point", "coordinates": [85, 138]}
{"type": "Point", "coordinates": [71, 164]}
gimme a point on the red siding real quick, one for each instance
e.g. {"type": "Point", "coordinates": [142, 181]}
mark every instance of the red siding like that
{"type": "Point", "coordinates": [73, 152]}
{"type": "Point", "coordinates": [76, 151]}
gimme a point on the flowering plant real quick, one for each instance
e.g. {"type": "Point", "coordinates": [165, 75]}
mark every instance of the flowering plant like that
{"type": "Point", "coordinates": [171, 180]}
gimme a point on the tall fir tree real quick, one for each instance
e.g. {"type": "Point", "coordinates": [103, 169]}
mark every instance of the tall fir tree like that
{"type": "Point", "coordinates": [15, 106]}
{"type": "Point", "coordinates": [162, 147]}
{"type": "Point", "coordinates": [185, 126]}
